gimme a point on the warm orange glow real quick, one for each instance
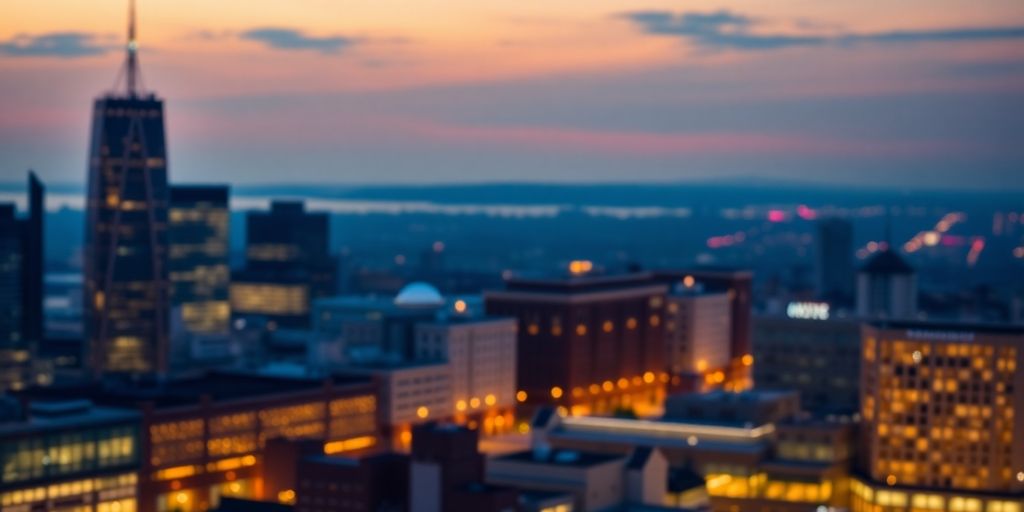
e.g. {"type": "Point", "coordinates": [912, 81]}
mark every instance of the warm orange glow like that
{"type": "Point", "coordinates": [581, 330]}
{"type": "Point", "coordinates": [460, 306]}
{"type": "Point", "coordinates": [890, 480]}
{"type": "Point", "coordinates": [347, 445]}
{"type": "Point", "coordinates": [608, 385]}
{"type": "Point", "coordinates": [422, 412]}
{"type": "Point", "coordinates": [747, 360]}
{"type": "Point", "coordinates": [460, 405]}
{"type": "Point", "coordinates": [595, 389]}
{"type": "Point", "coordinates": [702, 365]}
{"type": "Point", "coordinates": [623, 383]}
{"type": "Point", "coordinates": [608, 326]}
{"type": "Point", "coordinates": [689, 281]}
{"type": "Point", "coordinates": [286, 496]}
{"type": "Point", "coordinates": [490, 400]}
{"type": "Point", "coordinates": [521, 395]}
{"type": "Point", "coordinates": [578, 267]}
{"type": "Point", "coordinates": [474, 402]}
{"type": "Point", "coordinates": [649, 377]}
{"type": "Point", "coordinates": [556, 392]}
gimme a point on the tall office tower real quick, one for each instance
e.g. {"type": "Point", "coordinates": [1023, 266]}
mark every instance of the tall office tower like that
{"type": "Point", "coordinates": [590, 343]}
{"type": "Point", "coordinates": [287, 264]}
{"type": "Point", "coordinates": [126, 286]}
{"type": "Point", "coordinates": [835, 273]}
{"type": "Point", "coordinates": [887, 287]}
{"type": "Point", "coordinates": [941, 424]}
{"type": "Point", "coordinates": [198, 261]}
{"type": "Point", "coordinates": [21, 287]}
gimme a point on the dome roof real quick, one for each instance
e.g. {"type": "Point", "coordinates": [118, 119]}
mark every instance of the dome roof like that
{"type": "Point", "coordinates": [419, 294]}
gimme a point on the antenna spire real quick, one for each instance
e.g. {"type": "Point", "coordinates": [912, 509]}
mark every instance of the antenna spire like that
{"type": "Point", "coordinates": [132, 60]}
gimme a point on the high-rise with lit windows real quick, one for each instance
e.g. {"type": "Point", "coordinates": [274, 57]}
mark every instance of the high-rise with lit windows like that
{"type": "Point", "coordinates": [942, 428]}
{"type": "Point", "coordinates": [288, 264]}
{"type": "Point", "coordinates": [199, 257]}
{"type": "Point", "coordinates": [125, 258]}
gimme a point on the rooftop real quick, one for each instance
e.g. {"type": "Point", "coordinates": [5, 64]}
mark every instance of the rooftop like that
{"type": "Point", "coordinates": [64, 415]}
{"type": "Point", "coordinates": [569, 458]}
{"type": "Point", "coordinates": [940, 327]}
{"type": "Point", "coordinates": [887, 262]}
{"type": "Point", "coordinates": [219, 386]}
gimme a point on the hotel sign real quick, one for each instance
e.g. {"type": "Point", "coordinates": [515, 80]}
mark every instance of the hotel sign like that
{"type": "Point", "coordinates": [807, 310]}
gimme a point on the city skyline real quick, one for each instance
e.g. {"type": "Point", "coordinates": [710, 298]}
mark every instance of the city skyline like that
{"type": "Point", "coordinates": [459, 92]}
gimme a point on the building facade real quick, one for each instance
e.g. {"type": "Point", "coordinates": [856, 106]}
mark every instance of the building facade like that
{"type": "Point", "coordinates": [69, 455]}
{"type": "Point", "coordinates": [198, 263]}
{"type": "Point", "coordinates": [940, 423]}
{"type": "Point", "coordinates": [593, 343]}
{"type": "Point", "coordinates": [834, 270]}
{"type": "Point", "coordinates": [697, 329]}
{"type": "Point", "coordinates": [288, 264]}
{"type": "Point", "coordinates": [820, 358]}
{"type": "Point", "coordinates": [125, 260]}
{"type": "Point", "coordinates": [482, 356]}
{"type": "Point", "coordinates": [21, 288]}
{"type": "Point", "coordinates": [887, 287]}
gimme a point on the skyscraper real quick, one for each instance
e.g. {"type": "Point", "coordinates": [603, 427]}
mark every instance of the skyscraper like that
{"type": "Point", "coordinates": [21, 287]}
{"type": "Point", "coordinates": [198, 261]}
{"type": "Point", "coordinates": [834, 260]}
{"type": "Point", "coordinates": [941, 424]}
{"type": "Point", "coordinates": [126, 285]}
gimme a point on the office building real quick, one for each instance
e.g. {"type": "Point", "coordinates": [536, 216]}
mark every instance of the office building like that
{"type": "Point", "coordinates": [816, 355]}
{"type": "Point", "coordinates": [833, 258]}
{"type": "Point", "coordinates": [21, 288]}
{"type": "Point", "coordinates": [125, 257]}
{"type": "Point", "coordinates": [198, 261]}
{"type": "Point", "coordinates": [331, 483]}
{"type": "Point", "coordinates": [203, 437]}
{"type": "Point", "coordinates": [737, 285]}
{"type": "Point", "coordinates": [887, 287]}
{"type": "Point", "coordinates": [410, 393]}
{"type": "Point", "coordinates": [68, 455]}
{"type": "Point", "coordinates": [482, 355]}
{"type": "Point", "coordinates": [288, 264]}
{"type": "Point", "coordinates": [697, 329]}
{"type": "Point", "coordinates": [588, 343]}
{"type": "Point", "coordinates": [940, 425]}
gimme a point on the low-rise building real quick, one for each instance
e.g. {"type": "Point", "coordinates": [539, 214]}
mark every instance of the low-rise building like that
{"type": "Point", "coordinates": [68, 455]}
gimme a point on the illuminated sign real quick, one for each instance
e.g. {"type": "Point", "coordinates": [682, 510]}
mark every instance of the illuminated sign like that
{"type": "Point", "coordinates": [807, 310]}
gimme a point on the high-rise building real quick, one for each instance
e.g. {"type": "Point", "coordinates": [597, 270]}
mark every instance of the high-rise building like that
{"type": "Point", "coordinates": [588, 342]}
{"type": "Point", "coordinates": [941, 424]}
{"type": "Point", "coordinates": [198, 261]}
{"type": "Point", "coordinates": [288, 264]}
{"type": "Point", "coordinates": [21, 287]}
{"type": "Point", "coordinates": [835, 273]}
{"type": "Point", "coordinates": [887, 287]}
{"type": "Point", "coordinates": [125, 268]}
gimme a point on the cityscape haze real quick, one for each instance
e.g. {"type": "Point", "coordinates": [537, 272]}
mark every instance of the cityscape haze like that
{"type": "Point", "coordinates": [460, 256]}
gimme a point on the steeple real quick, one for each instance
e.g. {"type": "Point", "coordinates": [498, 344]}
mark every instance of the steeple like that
{"type": "Point", "coordinates": [131, 58]}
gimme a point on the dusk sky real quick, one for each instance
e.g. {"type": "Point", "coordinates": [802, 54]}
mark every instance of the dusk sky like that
{"type": "Point", "coordinates": [843, 92]}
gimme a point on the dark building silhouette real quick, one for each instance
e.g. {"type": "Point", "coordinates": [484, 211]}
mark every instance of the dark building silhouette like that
{"type": "Point", "coordinates": [887, 287]}
{"type": "Point", "coordinates": [125, 260]}
{"type": "Point", "coordinates": [834, 268]}
{"type": "Point", "coordinates": [287, 264]}
{"type": "Point", "coordinates": [21, 287]}
{"type": "Point", "coordinates": [198, 261]}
